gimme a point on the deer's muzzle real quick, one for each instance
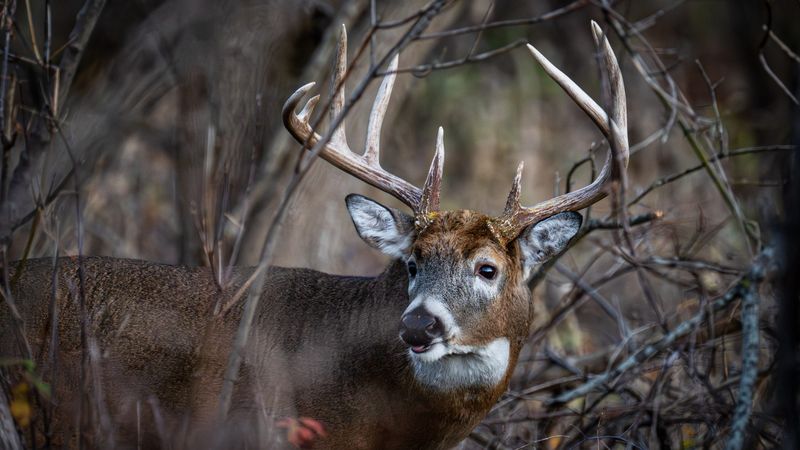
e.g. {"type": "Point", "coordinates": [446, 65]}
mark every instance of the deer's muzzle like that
{"type": "Point", "coordinates": [419, 329]}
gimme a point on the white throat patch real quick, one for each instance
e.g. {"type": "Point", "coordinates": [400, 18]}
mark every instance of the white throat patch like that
{"type": "Point", "coordinates": [446, 366]}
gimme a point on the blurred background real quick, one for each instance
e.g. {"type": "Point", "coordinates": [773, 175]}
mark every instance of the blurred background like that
{"type": "Point", "coordinates": [151, 129]}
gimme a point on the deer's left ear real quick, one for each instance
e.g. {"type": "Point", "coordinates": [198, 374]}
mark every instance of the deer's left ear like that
{"type": "Point", "coordinates": [547, 238]}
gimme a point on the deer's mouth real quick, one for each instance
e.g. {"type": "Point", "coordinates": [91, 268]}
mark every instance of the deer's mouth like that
{"type": "Point", "coordinates": [421, 348]}
{"type": "Point", "coordinates": [424, 348]}
{"type": "Point", "coordinates": [431, 351]}
{"type": "Point", "coordinates": [444, 348]}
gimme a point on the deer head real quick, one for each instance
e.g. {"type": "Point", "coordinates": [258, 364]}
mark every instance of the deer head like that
{"type": "Point", "coordinates": [469, 304]}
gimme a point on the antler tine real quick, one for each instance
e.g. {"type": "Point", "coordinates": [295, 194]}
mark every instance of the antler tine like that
{"type": "Point", "coordinates": [291, 104]}
{"type": "Point", "coordinates": [512, 203]}
{"type": "Point", "coordinates": [619, 108]}
{"type": "Point", "coordinates": [337, 88]}
{"type": "Point", "coordinates": [515, 217]}
{"type": "Point", "coordinates": [581, 98]}
{"type": "Point", "coordinates": [308, 108]}
{"type": "Point", "coordinates": [429, 203]}
{"type": "Point", "coordinates": [372, 145]}
{"type": "Point", "coordinates": [337, 152]}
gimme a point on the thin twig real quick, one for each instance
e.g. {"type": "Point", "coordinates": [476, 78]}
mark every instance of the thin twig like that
{"type": "Point", "coordinates": [604, 304]}
{"type": "Point", "coordinates": [7, 18]}
{"type": "Point", "coordinates": [767, 27]}
{"type": "Point", "coordinates": [763, 60]}
{"type": "Point", "coordinates": [719, 156]}
{"type": "Point", "coordinates": [574, 6]}
{"type": "Point", "coordinates": [783, 46]}
{"type": "Point", "coordinates": [604, 224]}
{"type": "Point", "coordinates": [78, 38]}
{"type": "Point", "coordinates": [425, 69]}
{"type": "Point", "coordinates": [32, 32]}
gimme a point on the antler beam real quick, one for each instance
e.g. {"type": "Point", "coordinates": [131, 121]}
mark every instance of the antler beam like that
{"type": "Point", "coordinates": [516, 217]}
{"type": "Point", "coordinates": [365, 167]}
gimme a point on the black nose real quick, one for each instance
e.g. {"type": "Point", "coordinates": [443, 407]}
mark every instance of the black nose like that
{"type": "Point", "coordinates": [418, 328]}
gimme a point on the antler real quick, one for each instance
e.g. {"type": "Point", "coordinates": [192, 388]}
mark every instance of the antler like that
{"type": "Point", "coordinates": [516, 217]}
{"type": "Point", "coordinates": [365, 167]}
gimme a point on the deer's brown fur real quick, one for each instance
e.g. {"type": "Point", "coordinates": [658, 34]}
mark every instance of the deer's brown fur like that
{"type": "Point", "coordinates": [150, 322]}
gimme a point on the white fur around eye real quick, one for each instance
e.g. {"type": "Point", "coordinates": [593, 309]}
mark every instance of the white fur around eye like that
{"type": "Point", "coordinates": [486, 289]}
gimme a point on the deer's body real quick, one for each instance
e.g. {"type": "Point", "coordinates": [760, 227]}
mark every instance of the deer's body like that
{"type": "Point", "coordinates": [153, 326]}
{"type": "Point", "coordinates": [411, 359]}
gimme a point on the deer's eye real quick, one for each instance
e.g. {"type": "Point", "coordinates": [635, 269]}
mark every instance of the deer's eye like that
{"type": "Point", "coordinates": [412, 269]}
{"type": "Point", "coordinates": [487, 271]}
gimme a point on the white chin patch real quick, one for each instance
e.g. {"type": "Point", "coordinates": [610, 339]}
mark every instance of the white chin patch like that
{"type": "Point", "coordinates": [445, 366]}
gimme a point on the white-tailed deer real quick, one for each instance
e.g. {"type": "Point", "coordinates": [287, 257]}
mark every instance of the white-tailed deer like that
{"type": "Point", "coordinates": [412, 358]}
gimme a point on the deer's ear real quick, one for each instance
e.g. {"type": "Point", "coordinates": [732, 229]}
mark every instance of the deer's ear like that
{"type": "Point", "coordinates": [547, 238]}
{"type": "Point", "coordinates": [389, 230]}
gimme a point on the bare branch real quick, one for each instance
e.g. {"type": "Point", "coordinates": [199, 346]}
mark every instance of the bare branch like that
{"type": "Point", "coordinates": [719, 156]}
{"type": "Point", "coordinates": [761, 266]}
{"type": "Point", "coordinates": [750, 338]}
{"type": "Point", "coordinates": [571, 7]}
{"type": "Point", "coordinates": [78, 38]}
{"type": "Point", "coordinates": [425, 69]}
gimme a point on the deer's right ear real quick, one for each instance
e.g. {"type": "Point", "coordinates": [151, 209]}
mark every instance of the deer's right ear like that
{"type": "Point", "coordinates": [389, 230]}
